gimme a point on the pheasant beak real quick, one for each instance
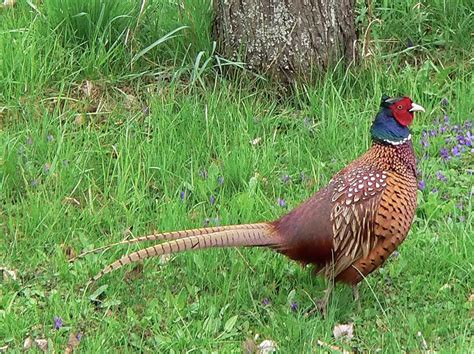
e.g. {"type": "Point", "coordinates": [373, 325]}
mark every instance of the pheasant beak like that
{"type": "Point", "coordinates": [416, 108]}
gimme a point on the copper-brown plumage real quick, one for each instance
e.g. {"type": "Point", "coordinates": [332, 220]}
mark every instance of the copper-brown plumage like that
{"type": "Point", "coordinates": [347, 229]}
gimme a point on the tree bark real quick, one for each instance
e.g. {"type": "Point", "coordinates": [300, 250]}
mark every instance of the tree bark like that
{"type": "Point", "coordinates": [285, 38]}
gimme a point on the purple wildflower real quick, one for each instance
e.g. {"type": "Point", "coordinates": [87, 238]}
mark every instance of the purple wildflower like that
{"type": "Point", "coordinates": [79, 336]}
{"type": "Point", "coordinates": [446, 119]}
{"type": "Point", "coordinates": [434, 190]}
{"type": "Point", "coordinates": [294, 306]}
{"type": "Point", "coordinates": [302, 176]}
{"type": "Point", "coordinates": [433, 132]}
{"type": "Point", "coordinates": [468, 138]}
{"type": "Point", "coordinates": [211, 221]}
{"type": "Point", "coordinates": [265, 301]}
{"type": "Point", "coordinates": [421, 185]}
{"type": "Point", "coordinates": [182, 195]}
{"type": "Point", "coordinates": [455, 151]}
{"type": "Point", "coordinates": [220, 180]}
{"type": "Point", "coordinates": [444, 154]}
{"type": "Point", "coordinates": [58, 322]}
{"type": "Point", "coordinates": [442, 129]}
{"type": "Point", "coordinates": [308, 124]}
{"type": "Point", "coordinates": [281, 202]}
{"type": "Point", "coordinates": [203, 173]}
{"type": "Point", "coordinates": [461, 139]}
{"type": "Point", "coordinates": [441, 176]}
{"type": "Point", "coordinates": [424, 143]}
{"type": "Point", "coordinates": [285, 178]}
{"type": "Point", "coordinates": [212, 200]}
{"type": "Point", "coordinates": [444, 102]}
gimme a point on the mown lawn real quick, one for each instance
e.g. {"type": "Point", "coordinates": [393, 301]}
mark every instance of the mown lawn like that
{"type": "Point", "coordinates": [100, 141]}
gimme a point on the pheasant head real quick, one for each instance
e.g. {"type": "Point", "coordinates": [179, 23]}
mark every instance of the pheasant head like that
{"type": "Point", "coordinates": [391, 123]}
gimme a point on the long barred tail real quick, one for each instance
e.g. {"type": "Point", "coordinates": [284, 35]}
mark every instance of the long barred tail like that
{"type": "Point", "coordinates": [240, 235]}
{"type": "Point", "coordinates": [167, 236]}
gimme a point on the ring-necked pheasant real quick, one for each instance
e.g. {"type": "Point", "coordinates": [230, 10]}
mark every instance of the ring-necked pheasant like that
{"type": "Point", "coordinates": [347, 229]}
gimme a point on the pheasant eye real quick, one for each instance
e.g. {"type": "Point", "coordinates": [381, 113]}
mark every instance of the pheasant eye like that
{"type": "Point", "coordinates": [399, 106]}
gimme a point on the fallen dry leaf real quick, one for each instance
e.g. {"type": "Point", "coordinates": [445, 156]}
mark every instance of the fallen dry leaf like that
{"type": "Point", "coordinates": [114, 153]}
{"type": "Point", "coordinates": [471, 298]}
{"type": "Point", "coordinates": [9, 274]}
{"type": "Point", "coordinates": [73, 342]}
{"type": "Point", "coordinates": [28, 343]}
{"type": "Point", "coordinates": [249, 346]}
{"type": "Point", "coordinates": [423, 344]}
{"type": "Point", "coordinates": [131, 102]}
{"type": "Point", "coordinates": [42, 344]}
{"type": "Point", "coordinates": [446, 286]}
{"type": "Point", "coordinates": [267, 346]}
{"type": "Point", "coordinates": [135, 273]}
{"type": "Point", "coordinates": [256, 141]}
{"type": "Point", "coordinates": [68, 251]}
{"type": "Point", "coordinates": [80, 119]}
{"type": "Point", "coordinates": [127, 233]}
{"type": "Point", "coordinates": [87, 88]}
{"type": "Point", "coordinates": [165, 258]}
{"type": "Point", "coordinates": [343, 331]}
{"type": "Point", "coordinates": [9, 3]}
{"type": "Point", "coordinates": [71, 200]}
{"type": "Point", "coordinates": [333, 347]}
{"type": "Point", "coordinates": [194, 214]}
{"type": "Point", "coordinates": [4, 349]}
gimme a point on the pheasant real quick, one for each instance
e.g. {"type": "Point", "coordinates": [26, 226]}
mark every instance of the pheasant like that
{"type": "Point", "coordinates": [347, 229]}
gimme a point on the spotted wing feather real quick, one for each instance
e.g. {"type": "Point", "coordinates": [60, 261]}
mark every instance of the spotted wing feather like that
{"type": "Point", "coordinates": [355, 200]}
{"type": "Point", "coordinates": [392, 220]}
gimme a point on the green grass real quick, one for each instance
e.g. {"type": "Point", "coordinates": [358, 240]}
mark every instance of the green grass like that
{"type": "Point", "coordinates": [83, 167]}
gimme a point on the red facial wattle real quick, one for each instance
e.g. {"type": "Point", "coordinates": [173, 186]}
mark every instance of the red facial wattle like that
{"type": "Point", "coordinates": [401, 111]}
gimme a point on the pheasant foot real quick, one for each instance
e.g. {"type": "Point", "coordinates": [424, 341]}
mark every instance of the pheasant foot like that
{"type": "Point", "coordinates": [322, 304]}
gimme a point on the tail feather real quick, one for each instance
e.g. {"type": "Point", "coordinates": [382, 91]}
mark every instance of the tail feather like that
{"type": "Point", "coordinates": [167, 236]}
{"type": "Point", "coordinates": [257, 235]}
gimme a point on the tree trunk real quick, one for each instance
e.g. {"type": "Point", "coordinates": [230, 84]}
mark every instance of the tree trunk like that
{"type": "Point", "coordinates": [285, 38]}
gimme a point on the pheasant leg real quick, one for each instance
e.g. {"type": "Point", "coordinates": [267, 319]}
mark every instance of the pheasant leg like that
{"type": "Point", "coordinates": [322, 304]}
{"type": "Point", "coordinates": [355, 296]}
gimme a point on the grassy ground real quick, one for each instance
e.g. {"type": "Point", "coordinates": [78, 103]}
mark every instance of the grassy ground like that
{"type": "Point", "coordinates": [100, 140]}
